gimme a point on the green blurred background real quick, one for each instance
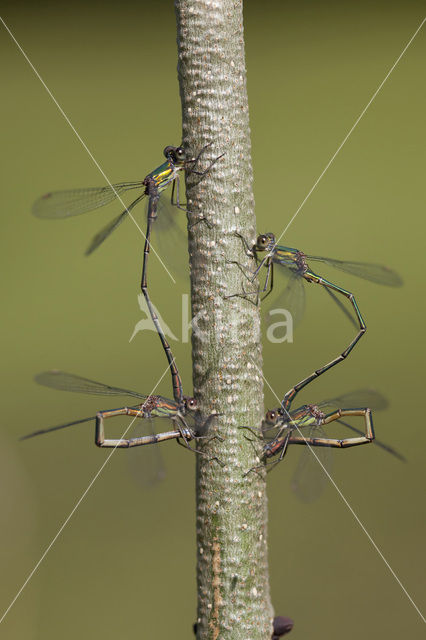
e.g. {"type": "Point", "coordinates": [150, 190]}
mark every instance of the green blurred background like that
{"type": "Point", "coordinates": [124, 566]}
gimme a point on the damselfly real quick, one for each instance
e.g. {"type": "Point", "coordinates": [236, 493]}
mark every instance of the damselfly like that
{"type": "Point", "coordinates": [153, 192]}
{"type": "Point", "coordinates": [64, 204]}
{"type": "Point", "coordinates": [185, 417]}
{"type": "Point", "coordinates": [305, 426]}
{"type": "Point", "coordinates": [294, 263]}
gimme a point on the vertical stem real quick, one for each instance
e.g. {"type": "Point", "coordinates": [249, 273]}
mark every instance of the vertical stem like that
{"type": "Point", "coordinates": [232, 569]}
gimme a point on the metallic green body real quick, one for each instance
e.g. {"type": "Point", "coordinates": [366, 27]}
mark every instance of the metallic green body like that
{"type": "Point", "coordinates": [287, 256]}
{"type": "Point", "coordinates": [165, 174]}
{"type": "Point", "coordinates": [301, 418]}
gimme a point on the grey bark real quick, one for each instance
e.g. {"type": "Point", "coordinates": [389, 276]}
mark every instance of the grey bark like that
{"type": "Point", "coordinates": [232, 569]}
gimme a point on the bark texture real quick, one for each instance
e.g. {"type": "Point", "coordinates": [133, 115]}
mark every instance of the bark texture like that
{"type": "Point", "coordinates": [232, 570]}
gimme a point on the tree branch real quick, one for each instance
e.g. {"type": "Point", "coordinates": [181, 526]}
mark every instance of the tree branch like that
{"type": "Point", "coordinates": [232, 570]}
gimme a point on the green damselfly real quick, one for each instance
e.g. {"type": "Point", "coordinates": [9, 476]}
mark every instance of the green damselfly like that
{"type": "Point", "coordinates": [74, 202]}
{"type": "Point", "coordinates": [294, 263]}
{"type": "Point", "coordinates": [65, 204]}
{"type": "Point", "coordinates": [153, 193]}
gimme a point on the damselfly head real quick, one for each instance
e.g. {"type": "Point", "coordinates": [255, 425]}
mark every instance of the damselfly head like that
{"type": "Point", "coordinates": [272, 417]}
{"type": "Point", "coordinates": [175, 154]}
{"type": "Point", "coordinates": [190, 403]}
{"type": "Point", "coordinates": [265, 242]}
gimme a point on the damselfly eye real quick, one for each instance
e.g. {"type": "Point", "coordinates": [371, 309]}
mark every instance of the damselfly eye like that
{"type": "Point", "coordinates": [191, 403]}
{"type": "Point", "coordinates": [262, 241]}
{"type": "Point", "coordinates": [271, 417]}
{"type": "Point", "coordinates": [168, 151]}
{"type": "Point", "coordinates": [180, 152]}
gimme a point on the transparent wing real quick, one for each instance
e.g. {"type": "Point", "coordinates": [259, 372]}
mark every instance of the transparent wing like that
{"type": "Point", "coordinates": [373, 272]}
{"type": "Point", "coordinates": [376, 442]}
{"type": "Point", "coordinates": [39, 432]}
{"type": "Point", "coordinates": [111, 226]}
{"type": "Point", "coordinates": [292, 298]}
{"type": "Point", "coordinates": [309, 479]}
{"type": "Point", "coordinates": [199, 424]}
{"type": "Point", "coordinates": [69, 382]}
{"type": "Point", "coordinates": [268, 432]}
{"type": "Point", "coordinates": [64, 204]}
{"type": "Point", "coordinates": [355, 399]}
{"type": "Point", "coordinates": [146, 463]}
{"type": "Point", "coordinates": [170, 237]}
{"type": "Point", "coordinates": [341, 306]}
